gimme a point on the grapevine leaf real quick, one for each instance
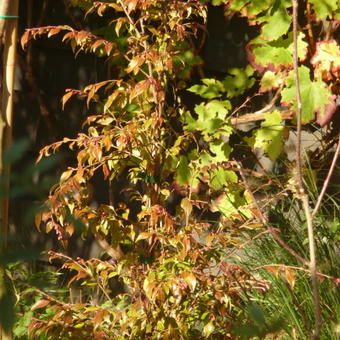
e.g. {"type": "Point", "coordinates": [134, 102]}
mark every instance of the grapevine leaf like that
{"type": "Point", "coordinates": [221, 150]}
{"type": "Point", "coordinates": [183, 174]}
{"type": "Point", "coordinates": [324, 118]}
{"type": "Point", "coordinates": [275, 55]}
{"type": "Point", "coordinates": [315, 96]}
{"type": "Point", "coordinates": [226, 204]}
{"type": "Point", "coordinates": [221, 177]}
{"type": "Point", "coordinates": [269, 136]}
{"type": "Point", "coordinates": [212, 88]}
{"type": "Point", "coordinates": [277, 23]}
{"type": "Point", "coordinates": [210, 120]}
{"type": "Point", "coordinates": [324, 8]}
{"type": "Point", "coordinates": [217, 2]}
{"type": "Point", "coordinates": [326, 59]}
{"type": "Point", "coordinates": [238, 81]}
{"type": "Point", "coordinates": [218, 108]}
{"type": "Point", "coordinates": [271, 80]}
{"type": "Point", "coordinates": [250, 8]}
{"type": "Point", "coordinates": [231, 204]}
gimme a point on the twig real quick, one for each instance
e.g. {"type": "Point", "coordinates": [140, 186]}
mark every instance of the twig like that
{"type": "Point", "coordinates": [310, 29]}
{"type": "Point", "coordinates": [329, 175]}
{"type": "Point", "coordinates": [242, 245]}
{"type": "Point", "coordinates": [329, 30]}
{"type": "Point", "coordinates": [259, 115]}
{"type": "Point", "coordinates": [48, 296]}
{"type": "Point", "coordinates": [300, 189]}
{"type": "Point", "coordinates": [265, 222]}
{"type": "Point", "coordinates": [242, 105]}
{"type": "Point", "coordinates": [297, 268]}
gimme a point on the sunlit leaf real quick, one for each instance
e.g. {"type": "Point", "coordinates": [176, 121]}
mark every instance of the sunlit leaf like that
{"type": "Point", "coordinates": [208, 329]}
{"type": "Point", "coordinates": [315, 96]}
{"type": "Point", "coordinates": [324, 8]}
{"type": "Point", "coordinates": [40, 304]}
{"type": "Point", "coordinates": [290, 277]}
{"type": "Point", "coordinates": [269, 136]}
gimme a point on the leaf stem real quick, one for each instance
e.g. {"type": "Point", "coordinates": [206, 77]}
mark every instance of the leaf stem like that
{"type": "Point", "coordinates": [299, 183]}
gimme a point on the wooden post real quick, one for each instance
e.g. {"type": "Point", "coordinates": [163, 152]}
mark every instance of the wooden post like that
{"type": "Point", "coordinates": [8, 33]}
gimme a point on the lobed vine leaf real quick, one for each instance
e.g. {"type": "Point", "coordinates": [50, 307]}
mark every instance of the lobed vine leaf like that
{"type": "Point", "coordinates": [275, 55]}
{"type": "Point", "coordinates": [324, 8]}
{"type": "Point", "coordinates": [315, 96]}
{"type": "Point", "coordinates": [269, 136]}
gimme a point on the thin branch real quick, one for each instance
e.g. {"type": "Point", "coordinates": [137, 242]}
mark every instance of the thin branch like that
{"type": "Point", "coordinates": [242, 245]}
{"type": "Point", "coordinates": [263, 219]}
{"type": "Point", "coordinates": [299, 183]}
{"type": "Point", "coordinates": [259, 115]}
{"type": "Point", "coordinates": [329, 30]}
{"type": "Point", "coordinates": [310, 29]}
{"type": "Point", "coordinates": [283, 266]}
{"type": "Point", "coordinates": [244, 104]}
{"type": "Point", "coordinates": [298, 98]}
{"type": "Point", "coordinates": [329, 175]}
{"type": "Point", "coordinates": [129, 18]}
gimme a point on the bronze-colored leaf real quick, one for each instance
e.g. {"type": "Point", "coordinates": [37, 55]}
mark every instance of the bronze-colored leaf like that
{"type": "Point", "coordinates": [290, 277]}
{"type": "Point", "coordinates": [40, 304]}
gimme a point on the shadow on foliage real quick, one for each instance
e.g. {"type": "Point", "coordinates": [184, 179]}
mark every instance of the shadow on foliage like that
{"type": "Point", "coordinates": [259, 324]}
{"type": "Point", "coordinates": [27, 180]}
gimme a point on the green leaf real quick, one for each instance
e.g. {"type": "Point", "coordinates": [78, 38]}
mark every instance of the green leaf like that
{"type": "Point", "coordinates": [315, 96]}
{"type": "Point", "coordinates": [238, 81]}
{"type": "Point", "coordinates": [274, 55]}
{"type": "Point", "coordinates": [324, 8]}
{"type": "Point", "coordinates": [250, 8]}
{"type": "Point", "coordinates": [217, 2]}
{"type": "Point", "coordinates": [269, 136]}
{"type": "Point", "coordinates": [221, 177]}
{"type": "Point", "coordinates": [217, 108]}
{"type": "Point", "coordinates": [212, 88]}
{"type": "Point", "coordinates": [230, 204]}
{"type": "Point", "coordinates": [271, 80]}
{"type": "Point", "coordinates": [21, 326]}
{"type": "Point", "coordinates": [221, 150]}
{"type": "Point", "coordinates": [277, 22]}
{"type": "Point", "coordinates": [326, 59]}
{"type": "Point", "coordinates": [211, 119]}
{"type": "Point", "coordinates": [183, 173]}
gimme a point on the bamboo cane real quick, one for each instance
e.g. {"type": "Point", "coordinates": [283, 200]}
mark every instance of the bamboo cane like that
{"type": "Point", "coordinates": [4, 11]}
{"type": "Point", "coordinates": [9, 31]}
